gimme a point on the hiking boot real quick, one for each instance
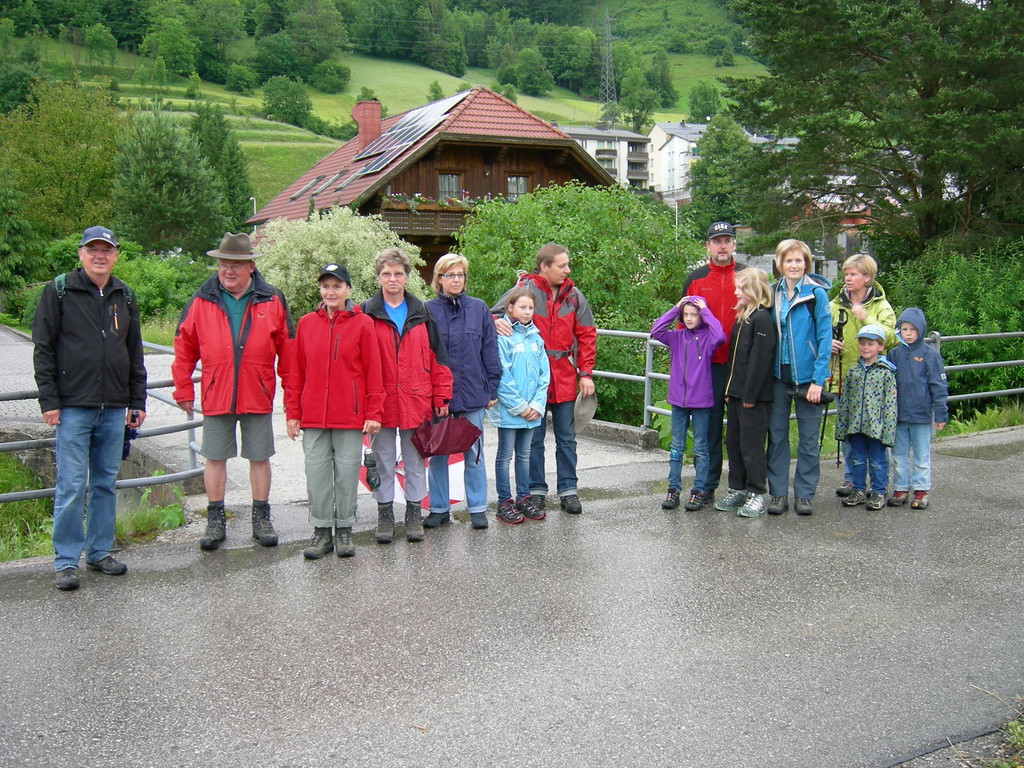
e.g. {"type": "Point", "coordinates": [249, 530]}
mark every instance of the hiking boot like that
{"type": "Point", "coordinates": [109, 566]}
{"type": "Point", "coordinates": [571, 504]}
{"type": "Point", "coordinates": [898, 498]}
{"type": "Point", "coordinates": [525, 507]}
{"type": "Point", "coordinates": [413, 522]}
{"type": "Point", "coordinates": [856, 497]}
{"type": "Point", "coordinates": [875, 501]}
{"type": "Point", "coordinates": [732, 502]}
{"type": "Point", "coordinates": [262, 527]}
{"type": "Point", "coordinates": [508, 513]}
{"type": "Point", "coordinates": [920, 500]}
{"type": "Point", "coordinates": [385, 523]}
{"type": "Point", "coordinates": [777, 505]}
{"type": "Point", "coordinates": [436, 519]}
{"type": "Point", "coordinates": [343, 546]}
{"type": "Point", "coordinates": [539, 500]}
{"type": "Point", "coordinates": [699, 500]}
{"type": "Point", "coordinates": [844, 490]}
{"type": "Point", "coordinates": [478, 520]}
{"type": "Point", "coordinates": [671, 500]}
{"type": "Point", "coordinates": [804, 507]}
{"type": "Point", "coordinates": [319, 545]}
{"type": "Point", "coordinates": [67, 578]}
{"type": "Point", "coordinates": [216, 528]}
{"type": "Point", "coordinates": [755, 506]}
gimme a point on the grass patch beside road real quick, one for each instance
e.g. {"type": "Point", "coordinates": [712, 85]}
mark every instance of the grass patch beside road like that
{"type": "Point", "coordinates": [25, 526]}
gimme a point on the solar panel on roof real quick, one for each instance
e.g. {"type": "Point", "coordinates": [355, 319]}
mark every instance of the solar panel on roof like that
{"type": "Point", "coordinates": [406, 132]}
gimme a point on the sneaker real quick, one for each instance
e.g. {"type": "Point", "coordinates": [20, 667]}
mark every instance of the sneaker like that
{"type": "Point", "coordinates": [478, 520]}
{"type": "Point", "coordinates": [699, 500]}
{"type": "Point", "coordinates": [539, 500]}
{"type": "Point", "coordinates": [777, 505]}
{"type": "Point", "coordinates": [436, 519]}
{"type": "Point", "coordinates": [804, 507]}
{"type": "Point", "coordinates": [671, 500]}
{"type": "Point", "coordinates": [571, 504]}
{"type": "Point", "coordinates": [856, 497]}
{"type": "Point", "coordinates": [920, 500]}
{"type": "Point", "coordinates": [525, 507]}
{"type": "Point", "coordinates": [733, 501]}
{"type": "Point", "coordinates": [109, 566]}
{"type": "Point", "coordinates": [875, 501]}
{"type": "Point", "coordinates": [846, 489]}
{"type": "Point", "coordinates": [67, 578]}
{"type": "Point", "coordinates": [320, 544]}
{"type": "Point", "coordinates": [755, 506]}
{"type": "Point", "coordinates": [898, 498]}
{"type": "Point", "coordinates": [508, 513]}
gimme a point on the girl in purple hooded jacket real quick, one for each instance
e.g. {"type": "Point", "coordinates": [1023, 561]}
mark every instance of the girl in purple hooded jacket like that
{"type": "Point", "coordinates": [689, 391]}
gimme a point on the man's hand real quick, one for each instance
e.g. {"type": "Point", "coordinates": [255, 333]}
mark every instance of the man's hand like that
{"type": "Point", "coordinates": [52, 418]}
{"type": "Point", "coordinates": [502, 327]}
{"type": "Point", "coordinates": [586, 386]}
{"type": "Point", "coordinates": [441, 411]}
{"type": "Point", "coordinates": [293, 428]}
{"type": "Point", "coordinates": [186, 406]}
{"type": "Point", "coordinates": [134, 418]}
{"type": "Point", "coordinates": [371, 427]}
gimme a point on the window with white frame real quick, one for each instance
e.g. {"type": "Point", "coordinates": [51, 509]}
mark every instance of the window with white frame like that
{"type": "Point", "coordinates": [518, 185]}
{"type": "Point", "coordinates": [449, 185]}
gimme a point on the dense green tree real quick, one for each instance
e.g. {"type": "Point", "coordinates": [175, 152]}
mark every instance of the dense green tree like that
{"type": "Point", "coordinates": [330, 77]}
{"type": "Point", "coordinates": [637, 99]}
{"type": "Point", "coordinates": [286, 100]}
{"type": "Point", "coordinates": [100, 45]}
{"type": "Point", "coordinates": [242, 79]}
{"type": "Point", "coordinates": [909, 111]}
{"type": "Point", "coordinates": [276, 55]}
{"type": "Point", "coordinates": [171, 40]}
{"type": "Point", "coordinates": [716, 179]}
{"type": "Point", "coordinates": [317, 30]}
{"type": "Point", "coordinates": [221, 149]}
{"type": "Point", "coordinates": [7, 34]}
{"type": "Point", "coordinates": [532, 76]}
{"type": "Point", "coordinates": [127, 21]}
{"type": "Point", "coordinates": [439, 43]}
{"type": "Point", "coordinates": [434, 92]}
{"type": "Point", "coordinates": [705, 101]}
{"type": "Point", "coordinates": [59, 150]}
{"type": "Point", "coordinates": [16, 81]}
{"type": "Point", "coordinates": [571, 55]}
{"type": "Point", "coordinates": [20, 246]}
{"type": "Point", "coordinates": [159, 73]}
{"type": "Point", "coordinates": [377, 28]}
{"type": "Point", "coordinates": [166, 194]}
{"type": "Point", "coordinates": [215, 25]}
{"type": "Point", "coordinates": [659, 77]}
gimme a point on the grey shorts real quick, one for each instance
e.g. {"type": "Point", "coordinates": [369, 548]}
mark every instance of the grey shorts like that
{"type": "Point", "coordinates": [257, 436]}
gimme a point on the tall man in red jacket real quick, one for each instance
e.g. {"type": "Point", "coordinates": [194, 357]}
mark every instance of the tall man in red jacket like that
{"type": "Point", "coordinates": [235, 326]}
{"type": "Point", "coordinates": [563, 317]}
{"type": "Point", "coordinates": [716, 284]}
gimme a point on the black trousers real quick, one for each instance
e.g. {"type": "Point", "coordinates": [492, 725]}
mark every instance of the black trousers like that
{"type": "Point", "coordinates": [745, 440]}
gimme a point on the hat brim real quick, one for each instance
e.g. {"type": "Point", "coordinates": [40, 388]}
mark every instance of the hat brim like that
{"type": "Point", "coordinates": [218, 254]}
{"type": "Point", "coordinates": [584, 410]}
{"type": "Point", "coordinates": [98, 240]}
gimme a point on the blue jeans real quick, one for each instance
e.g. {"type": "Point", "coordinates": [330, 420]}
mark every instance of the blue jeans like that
{"type": "Point", "coordinates": [916, 438]}
{"type": "Point", "coordinates": [563, 423]}
{"type": "Point", "coordinates": [89, 443]}
{"type": "Point", "coordinates": [867, 460]}
{"type": "Point", "coordinates": [808, 463]}
{"type": "Point", "coordinates": [509, 441]}
{"type": "Point", "coordinates": [474, 473]}
{"type": "Point", "coordinates": [681, 419]}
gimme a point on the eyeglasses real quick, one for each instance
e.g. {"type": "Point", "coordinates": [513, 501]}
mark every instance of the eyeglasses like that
{"type": "Point", "coordinates": [391, 275]}
{"type": "Point", "coordinates": [239, 267]}
{"type": "Point", "coordinates": [93, 251]}
{"type": "Point", "coordinates": [453, 275]}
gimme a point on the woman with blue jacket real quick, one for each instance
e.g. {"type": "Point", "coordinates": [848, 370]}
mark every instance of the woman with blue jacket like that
{"type": "Point", "coordinates": [467, 330]}
{"type": "Point", "coordinates": [803, 325]}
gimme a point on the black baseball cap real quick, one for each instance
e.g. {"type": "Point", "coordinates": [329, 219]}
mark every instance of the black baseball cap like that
{"type": "Point", "coordinates": [337, 271]}
{"type": "Point", "coordinates": [721, 228]}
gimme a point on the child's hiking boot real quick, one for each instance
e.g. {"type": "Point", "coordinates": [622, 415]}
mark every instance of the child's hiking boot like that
{"type": "Point", "coordinates": [777, 505]}
{"type": "Point", "coordinates": [898, 498]}
{"type": "Point", "coordinates": [755, 506]}
{"type": "Point", "coordinates": [844, 490]}
{"type": "Point", "coordinates": [699, 500]}
{"type": "Point", "coordinates": [804, 507]}
{"type": "Point", "coordinates": [539, 500]}
{"type": "Point", "coordinates": [732, 502]}
{"type": "Point", "coordinates": [508, 513]}
{"type": "Point", "coordinates": [856, 497]}
{"type": "Point", "coordinates": [525, 507]}
{"type": "Point", "coordinates": [920, 500]}
{"type": "Point", "coordinates": [875, 501]}
{"type": "Point", "coordinates": [671, 500]}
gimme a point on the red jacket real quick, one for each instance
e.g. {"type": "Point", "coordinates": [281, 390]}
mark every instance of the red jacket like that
{"type": "Point", "coordinates": [413, 364]}
{"type": "Point", "coordinates": [717, 286]}
{"type": "Point", "coordinates": [335, 379]}
{"type": "Point", "coordinates": [566, 324]}
{"type": "Point", "coordinates": [237, 378]}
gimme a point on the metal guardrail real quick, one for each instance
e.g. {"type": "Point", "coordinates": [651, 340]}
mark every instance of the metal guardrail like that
{"type": "Point", "coordinates": [189, 425]}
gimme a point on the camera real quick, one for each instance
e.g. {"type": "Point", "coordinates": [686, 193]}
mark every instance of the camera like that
{"type": "Point", "coordinates": [796, 391]}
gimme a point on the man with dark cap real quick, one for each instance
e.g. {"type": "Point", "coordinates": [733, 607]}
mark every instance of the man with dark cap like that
{"type": "Point", "coordinates": [715, 283]}
{"type": "Point", "coordinates": [92, 384]}
{"type": "Point", "coordinates": [235, 326]}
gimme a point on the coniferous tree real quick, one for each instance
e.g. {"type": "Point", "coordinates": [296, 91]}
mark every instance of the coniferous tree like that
{"type": "Point", "coordinates": [222, 150]}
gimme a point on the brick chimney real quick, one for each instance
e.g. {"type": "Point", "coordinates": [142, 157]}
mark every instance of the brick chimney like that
{"type": "Point", "coordinates": [367, 117]}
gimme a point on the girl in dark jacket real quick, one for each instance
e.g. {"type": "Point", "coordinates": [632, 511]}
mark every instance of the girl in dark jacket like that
{"type": "Point", "coordinates": [748, 393]}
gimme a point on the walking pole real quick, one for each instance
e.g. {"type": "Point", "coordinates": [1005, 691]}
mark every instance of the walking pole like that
{"type": "Point", "coordinates": [837, 334]}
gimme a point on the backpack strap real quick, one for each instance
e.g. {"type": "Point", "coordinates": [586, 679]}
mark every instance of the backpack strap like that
{"type": "Point", "coordinates": [60, 285]}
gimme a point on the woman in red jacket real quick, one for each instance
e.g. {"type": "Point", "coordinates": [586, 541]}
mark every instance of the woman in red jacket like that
{"type": "Point", "coordinates": [334, 394]}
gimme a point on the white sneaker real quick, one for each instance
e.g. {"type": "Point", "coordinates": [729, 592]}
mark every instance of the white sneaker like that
{"type": "Point", "coordinates": [755, 506]}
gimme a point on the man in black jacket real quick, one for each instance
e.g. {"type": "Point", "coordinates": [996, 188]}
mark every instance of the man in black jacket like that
{"type": "Point", "coordinates": [92, 383]}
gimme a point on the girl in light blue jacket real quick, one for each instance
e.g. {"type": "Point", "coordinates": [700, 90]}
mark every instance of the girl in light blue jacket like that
{"type": "Point", "coordinates": [522, 395]}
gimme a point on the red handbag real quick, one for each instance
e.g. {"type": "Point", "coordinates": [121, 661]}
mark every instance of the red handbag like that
{"type": "Point", "coordinates": [452, 434]}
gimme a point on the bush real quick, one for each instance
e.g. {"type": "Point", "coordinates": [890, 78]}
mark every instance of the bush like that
{"type": "Point", "coordinates": [330, 77]}
{"type": "Point", "coordinates": [241, 79]}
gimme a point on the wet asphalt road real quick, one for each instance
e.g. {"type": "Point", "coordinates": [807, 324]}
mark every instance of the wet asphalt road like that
{"type": "Point", "coordinates": [627, 636]}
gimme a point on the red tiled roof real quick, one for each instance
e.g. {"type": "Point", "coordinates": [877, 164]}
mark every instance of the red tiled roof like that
{"type": "Point", "coordinates": [481, 113]}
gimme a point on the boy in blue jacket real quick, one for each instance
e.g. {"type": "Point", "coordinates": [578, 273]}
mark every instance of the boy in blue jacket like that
{"type": "Point", "coordinates": [689, 392]}
{"type": "Point", "coordinates": [921, 394]}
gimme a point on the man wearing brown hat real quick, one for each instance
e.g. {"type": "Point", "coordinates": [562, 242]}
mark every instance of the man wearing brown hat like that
{"type": "Point", "coordinates": [235, 326]}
